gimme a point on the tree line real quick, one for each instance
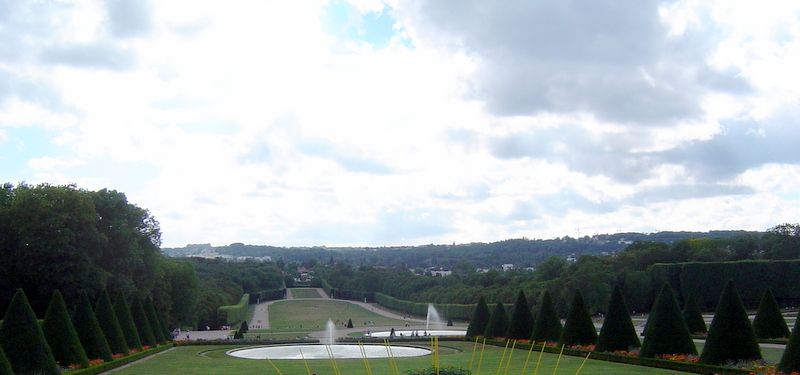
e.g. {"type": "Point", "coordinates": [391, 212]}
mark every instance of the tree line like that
{"type": "Point", "coordinates": [81, 242]}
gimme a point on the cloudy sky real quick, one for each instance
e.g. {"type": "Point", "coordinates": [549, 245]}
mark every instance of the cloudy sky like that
{"type": "Point", "coordinates": [406, 122]}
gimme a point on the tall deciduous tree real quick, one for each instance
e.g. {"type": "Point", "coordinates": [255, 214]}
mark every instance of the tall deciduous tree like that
{"type": "Point", "coordinates": [731, 336]}
{"type": "Point", "coordinates": [693, 316]}
{"type": "Point", "coordinates": [547, 327]}
{"type": "Point", "coordinates": [110, 325]}
{"type": "Point", "coordinates": [23, 340]}
{"type": "Point", "coordinates": [520, 326]}
{"type": "Point", "coordinates": [61, 335]}
{"type": "Point", "coordinates": [578, 327]}
{"type": "Point", "coordinates": [769, 322]}
{"type": "Point", "coordinates": [666, 331]}
{"type": "Point", "coordinates": [617, 332]}
{"type": "Point", "coordinates": [480, 317]}
{"type": "Point", "coordinates": [498, 322]}
{"type": "Point", "coordinates": [88, 328]}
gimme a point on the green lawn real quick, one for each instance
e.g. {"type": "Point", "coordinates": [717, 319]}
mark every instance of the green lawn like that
{"type": "Point", "coordinates": [310, 315]}
{"type": "Point", "coordinates": [209, 360]}
{"type": "Point", "coordinates": [305, 293]}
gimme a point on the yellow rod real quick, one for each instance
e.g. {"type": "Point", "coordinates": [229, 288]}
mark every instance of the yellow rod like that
{"type": "Point", "coordinates": [502, 358]}
{"type": "Point", "coordinates": [540, 358]}
{"type": "Point", "coordinates": [584, 362]}
{"type": "Point", "coordinates": [480, 361]}
{"type": "Point", "coordinates": [527, 358]}
{"type": "Point", "coordinates": [472, 357]}
{"type": "Point", "coordinates": [558, 360]}
{"type": "Point", "coordinates": [510, 354]}
{"type": "Point", "coordinates": [304, 361]}
{"type": "Point", "coordinates": [275, 367]}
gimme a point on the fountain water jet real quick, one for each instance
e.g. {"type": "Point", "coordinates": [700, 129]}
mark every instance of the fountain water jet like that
{"type": "Point", "coordinates": [433, 317]}
{"type": "Point", "coordinates": [329, 332]}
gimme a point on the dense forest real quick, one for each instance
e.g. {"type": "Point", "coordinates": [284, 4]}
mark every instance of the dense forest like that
{"type": "Point", "coordinates": [594, 275]}
{"type": "Point", "coordinates": [521, 252]}
{"type": "Point", "coordinates": [85, 242]}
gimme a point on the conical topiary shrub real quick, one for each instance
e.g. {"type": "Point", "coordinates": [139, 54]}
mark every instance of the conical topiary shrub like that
{"type": "Point", "coordinates": [618, 332]}
{"type": "Point", "coordinates": [142, 325]}
{"type": "Point", "coordinates": [578, 327]}
{"type": "Point", "coordinates": [5, 366]}
{"type": "Point", "coordinates": [480, 317]}
{"type": "Point", "coordinates": [123, 313]}
{"type": "Point", "coordinates": [547, 327]}
{"type": "Point", "coordinates": [731, 336]}
{"type": "Point", "coordinates": [520, 325]}
{"type": "Point", "coordinates": [349, 323]}
{"type": "Point", "coordinates": [790, 361]}
{"type": "Point", "coordinates": [107, 319]}
{"type": "Point", "coordinates": [693, 317]}
{"type": "Point", "coordinates": [155, 324]}
{"type": "Point", "coordinates": [244, 328]}
{"type": "Point", "coordinates": [666, 331]}
{"type": "Point", "coordinates": [769, 322]}
{"type": "Point", "coordinates": [61, 335]}
{"type": "Point", "coordinates": [498, 322]}
{"type": "Point", "coordinates": [89, 332]}
{"type": "Point", "coordinates": [23, 340]}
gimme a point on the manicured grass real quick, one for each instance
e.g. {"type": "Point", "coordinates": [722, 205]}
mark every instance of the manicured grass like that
{"type": "Point", "coordinates": [305, 293]}
{"type": "Point", "coordinates": [285, 316]}
{"type": "Point", "coordinates": [213, 360]}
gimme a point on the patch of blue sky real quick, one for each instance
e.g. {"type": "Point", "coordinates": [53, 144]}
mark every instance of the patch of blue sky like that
{"type": "Point", "coordinates": [345, 21]}
{"type": "Point", "coordinates": [23, 144]}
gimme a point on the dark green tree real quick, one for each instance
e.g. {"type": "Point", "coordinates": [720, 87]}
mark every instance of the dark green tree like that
{"type": "Point", "coordinates": [107, 319]}
{"type": "Point", "coordinates": [547, 327]}
{"type": "Point", "coordinates": [155, 324]}
{"type": "Point", "coordinates": [790, 361]}
{"type": "Point", "coordinates": [618, 332]}
{"type": "Point", "coordinates": [5, 366]}
{"type": "Point", "coordinates": [769, 322]}
{"type": "Point", "coordinates": [693, 316]}
{"type": "Point", "coordinates": [666, 331]}
{"type": "Point", "coordinates": [23, 340]}
{"type": "Point", "coordinates": [142, 325]}
{"type": "Point", "coordinates": [480, 317]}
{"type": "Point", "coordinates": [520, 326]}
{"type": "Point", "coordinates": [731, 336]}
{"type": "Point", "coordinates": [123, 313]}
{"type": "Point", "coordinates": [61, 335]}
{"type": "Point", "coordinates": [498, 322]}
{"type": "Point", "coordinates": [578, 327]}
{"type": "Point", "coordinates": [244, 328]}
{"type": "Point", "coordinates": [89, 332]}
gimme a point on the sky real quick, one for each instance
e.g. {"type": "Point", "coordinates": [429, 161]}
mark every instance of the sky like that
{"type": "Point", "coordinates": [407, 122]}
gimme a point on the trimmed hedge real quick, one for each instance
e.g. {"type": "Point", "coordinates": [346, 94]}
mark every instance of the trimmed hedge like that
{"type": "Point", "coordinates": [233, 313]}
{"type": "Point", "coordinates": [547, 327]}
{"type": "Point", "coordinates": [89, 332]}
{"type": "Point", "coordinates": [123, 312]}
{"type": "Point", "coordinates": [666, 331]}
{"type": "Point", "coordinates": [267, 295]}
{"type": "Point", "coordinates": [731, 337]}
{"type": "Point", "coordinates": [146, 334]}
{"type": "Point", "coordinates": [706, 280]}
{"type": "Point", "coordinates": [159, 331]}
{"type": "Point", "coordinates": [521, 323]}
{"type": "Point", "coordinates": [452, 311]}
{"type": "Point", "coordinates": [693, 317]}
{"type": "Point", "coordinates": [5, 366]}
{"type": "Point", "coordinates": [477, 325]}
{"type": "Point", "coordinates": [790, 361]}
{"type": "Point", "coordinates": [23, 340]}
{"type": "Point", "coordinates": [107, 318]}
{"type": "Point", "coordinates": [498, 322]}
{"type": "Point", "coordinates": [61, 335]}
{"type": "Point", "coordinates": [103, 367]}
{"type": "Point", "coordinates": [617, 332]}
{"type": "Point", "coordinates": [769, 322]}
{"type": "Point", "coordinates": [578, 327]}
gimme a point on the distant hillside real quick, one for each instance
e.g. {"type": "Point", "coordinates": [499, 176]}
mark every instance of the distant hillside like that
{"type": "Point", "coordinates": [520, 252]}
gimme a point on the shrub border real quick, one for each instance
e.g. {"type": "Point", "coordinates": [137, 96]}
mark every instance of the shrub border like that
{"type": "Point", "coordinates": [96, 369]}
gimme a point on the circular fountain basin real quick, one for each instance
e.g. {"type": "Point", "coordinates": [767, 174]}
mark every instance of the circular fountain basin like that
{"type": "Point", "coordinates": [434, 332]}
{"type": "Point", "coordinates": [336, 351]}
